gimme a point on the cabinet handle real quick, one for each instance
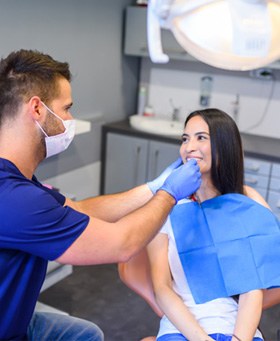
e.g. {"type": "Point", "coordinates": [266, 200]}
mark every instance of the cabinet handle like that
{"type": "Point", "coordinates": [155, 170]}
{"type": "Point", "coordinates": [137, 162]}
{"type": "Point", "coordinates": [253, 168]}
{"type": "Point", "coordinates": [251, 181]}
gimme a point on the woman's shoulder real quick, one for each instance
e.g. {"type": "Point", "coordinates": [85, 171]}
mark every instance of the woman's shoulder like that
{"type": "Point", "coordinates": [253, 194]}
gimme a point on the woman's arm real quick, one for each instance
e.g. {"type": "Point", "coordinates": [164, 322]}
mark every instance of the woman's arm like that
{"type": "Point", "coordinates": [248, 316]}
{"type": "Point", "coordinates": [253, 194]}
{"type": "Point", "coordinates": [169, 302]}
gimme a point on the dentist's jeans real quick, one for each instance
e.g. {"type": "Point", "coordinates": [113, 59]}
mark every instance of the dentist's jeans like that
{"type": "Point", "coordinates": [59, 327]}
{"type": "Point", "coordinates": [217, 337]}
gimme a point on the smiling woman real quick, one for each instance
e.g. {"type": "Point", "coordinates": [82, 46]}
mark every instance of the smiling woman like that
{"type": "Point", "coordinates": [213, 137]}
{"type": "Point", "coordinates": [197, 265]}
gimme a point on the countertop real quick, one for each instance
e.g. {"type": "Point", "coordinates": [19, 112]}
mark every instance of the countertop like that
{"type": "Point", "coordinates": [254, 146]}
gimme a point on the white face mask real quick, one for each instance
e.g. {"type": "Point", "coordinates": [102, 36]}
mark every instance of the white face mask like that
{"type": "Point", "coordinates": [58, 143]}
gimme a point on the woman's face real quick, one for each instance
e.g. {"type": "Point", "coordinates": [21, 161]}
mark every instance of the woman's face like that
{"type": "Point", "coordinates": [196, 144]}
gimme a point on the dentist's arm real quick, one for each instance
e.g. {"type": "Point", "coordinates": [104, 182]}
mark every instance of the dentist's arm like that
{"type": "Point", "coordinates": [112, 207]}
{"type": "Point", "coordinates": [104, 242]}
{"type": "Point", "coordinates": [123, 203]}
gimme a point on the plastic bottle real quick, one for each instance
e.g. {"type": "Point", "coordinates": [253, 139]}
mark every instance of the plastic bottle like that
{"type": "Point", "coordinates": [205, 90]}
{"type": "Point", "coordinates": [148, 111]}
{"type": "Point", "coordinates": [142, 98]}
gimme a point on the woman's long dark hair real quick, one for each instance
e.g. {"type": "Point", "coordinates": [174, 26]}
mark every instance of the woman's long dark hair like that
{"type": "Point", "coordinates": [227, 170]}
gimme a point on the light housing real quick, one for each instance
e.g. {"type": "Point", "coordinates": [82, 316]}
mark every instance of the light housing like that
{"type": "Point", "coordinates": [228, 34]}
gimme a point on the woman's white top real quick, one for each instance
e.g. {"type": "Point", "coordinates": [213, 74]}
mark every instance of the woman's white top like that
{"type": "Point", "coordinates": [216, 316]}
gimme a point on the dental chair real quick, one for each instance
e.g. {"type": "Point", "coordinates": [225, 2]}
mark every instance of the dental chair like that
{"type": "Point", "coordinates": [135, 274]}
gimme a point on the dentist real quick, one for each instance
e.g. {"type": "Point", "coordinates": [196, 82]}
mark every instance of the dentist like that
{"type": "Point", "coordinates": [38, 224]}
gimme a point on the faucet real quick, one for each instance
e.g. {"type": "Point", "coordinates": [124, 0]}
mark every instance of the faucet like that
{"type": "Point", "coordinates": [235, 108]}
{"type": "Point", "coordinates": [175, 114]}
{"type": "Point", "coordinates": [176, 111]}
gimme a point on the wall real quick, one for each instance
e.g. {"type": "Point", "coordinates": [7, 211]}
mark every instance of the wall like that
{"type": "Point", "coordinates": [180, 81]}
{"type": "Point", "coordinates": [88, 35]}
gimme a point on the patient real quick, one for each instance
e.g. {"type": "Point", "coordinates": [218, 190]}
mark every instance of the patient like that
{"type": "Point", "coordinates": [212, 138]}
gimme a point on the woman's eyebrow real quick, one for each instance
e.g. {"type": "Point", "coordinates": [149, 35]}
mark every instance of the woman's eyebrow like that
{"type": "Point", "coordinates": [197, 133]}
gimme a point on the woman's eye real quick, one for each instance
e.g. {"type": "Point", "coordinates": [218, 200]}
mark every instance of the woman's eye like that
{"type": "Point", "coordinates": [184, 139]}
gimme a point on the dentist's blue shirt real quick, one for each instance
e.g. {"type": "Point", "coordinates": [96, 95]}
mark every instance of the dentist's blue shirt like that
{"type": "Point", "coordinates": [34, 228]}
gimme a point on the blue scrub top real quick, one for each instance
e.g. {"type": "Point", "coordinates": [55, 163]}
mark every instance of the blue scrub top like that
{"type": "Point", "coordinates": [35, 227]}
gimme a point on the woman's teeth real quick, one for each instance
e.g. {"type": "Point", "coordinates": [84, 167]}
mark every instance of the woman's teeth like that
{"type": "Point", "coordinates": [194, 158]}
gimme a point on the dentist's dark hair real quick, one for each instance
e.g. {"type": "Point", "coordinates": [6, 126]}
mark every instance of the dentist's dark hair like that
{"type": "Point", "coordinates": [227, 170]}
{"type": "Point", "coordinates": [27, 73]}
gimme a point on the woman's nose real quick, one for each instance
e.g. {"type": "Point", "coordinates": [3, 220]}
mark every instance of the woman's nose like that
{"type": "Point", "coordinates": [191, 146]}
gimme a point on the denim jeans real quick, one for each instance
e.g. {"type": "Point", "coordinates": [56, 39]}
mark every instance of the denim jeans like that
{"type": "Point", "coordinates": [217, 337]}
{"type": "Point", "coordinates": [59, 327]}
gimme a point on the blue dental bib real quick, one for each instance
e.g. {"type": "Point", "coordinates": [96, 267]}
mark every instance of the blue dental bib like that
{"type": "Point", "coordinates": [228, 245]}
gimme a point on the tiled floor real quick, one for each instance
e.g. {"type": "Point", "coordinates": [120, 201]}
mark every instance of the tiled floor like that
{"type": "Point", "coordinates": [96, 293]}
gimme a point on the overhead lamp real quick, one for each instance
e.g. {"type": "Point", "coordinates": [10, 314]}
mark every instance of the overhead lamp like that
{"type": "Point", "coordinates": [228, 34]}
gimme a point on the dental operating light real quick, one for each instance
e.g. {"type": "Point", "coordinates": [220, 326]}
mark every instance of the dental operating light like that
{"type": "Point", "coordinates": [228, 34]}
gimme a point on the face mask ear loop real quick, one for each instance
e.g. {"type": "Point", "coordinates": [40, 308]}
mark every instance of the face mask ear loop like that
{"type": "Point", "coordinates": [51, 111]}
{"type": "Point", "coordinates": [42, 130]}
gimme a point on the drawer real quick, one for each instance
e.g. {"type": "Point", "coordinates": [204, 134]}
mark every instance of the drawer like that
{"type": "Point", "coordinates": [256, 180]}
{"type": "Point", "coordinates": [274, 202]}
{"type": "Point", "coordinates": [275, 184]}
{"type": "Point", "coordinates": [275, 170]}
{"type": "Point", "coordinates": [256, 166]}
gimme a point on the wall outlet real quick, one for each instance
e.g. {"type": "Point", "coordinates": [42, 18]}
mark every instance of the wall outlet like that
{"type": "Point", "coordinates": [262, 73]}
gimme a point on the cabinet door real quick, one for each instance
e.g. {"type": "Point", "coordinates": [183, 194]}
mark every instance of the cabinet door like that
{"type": "Point", "coordinates": [126, 162]}
{"type": "Point", "coordinates": [135, 43]}
{"type": "Point", "coordinates": [161, 154]}
{"type": "Point", "coordinates": [274, 202]}
{"type": "Point", "coordinates": [274, 189]}
{"type": "Point", "coordinates": [257, 174]}
{"type": "Point", "coordinates": [257, 166]}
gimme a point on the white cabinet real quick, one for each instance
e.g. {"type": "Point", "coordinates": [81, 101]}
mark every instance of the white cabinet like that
{"type": "Point", "coordinates": [126, 159]}
{"type": "Point", "coordinates": [161, 154]}
{"type": "Point", "coordinates": [131, 161]}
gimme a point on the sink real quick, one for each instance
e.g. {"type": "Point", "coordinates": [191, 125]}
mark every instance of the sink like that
{"type": "Point", "coordinates": [156, 125]}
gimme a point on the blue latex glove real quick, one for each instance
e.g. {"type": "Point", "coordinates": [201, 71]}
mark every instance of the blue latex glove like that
{"type": "Point", "coordinates": [155, 184]}
{"type": "Point", "coordinates": [183, 181]}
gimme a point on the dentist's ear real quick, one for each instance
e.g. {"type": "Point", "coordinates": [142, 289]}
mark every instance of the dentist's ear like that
{"type": "Point", "coordinates": [34, 107]}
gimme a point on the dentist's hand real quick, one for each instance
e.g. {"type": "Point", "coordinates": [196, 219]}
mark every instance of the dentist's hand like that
{"type": "Point", "coordinates": [183, 181]}
{"type": "Point", "coordinates": [155, 184]}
